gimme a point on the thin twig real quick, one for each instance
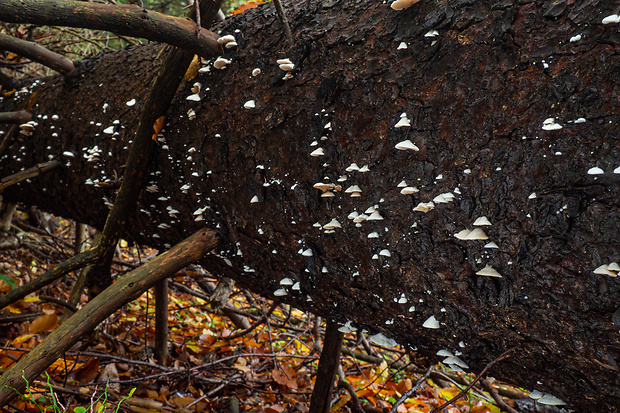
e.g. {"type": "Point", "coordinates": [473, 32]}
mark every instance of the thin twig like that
{"type": "Point", "coordinates": [356, 406]}
{"type": "Point", "coordinates": [412, 390]}
{"type": "Point", "coordinates": [498, 399]}
{"type": "Point", "coordinates": [284, 21]}
{"type": "Point", "coordinates": [478, 377]}
{"type": "Point", "coordinates": [258, 322]}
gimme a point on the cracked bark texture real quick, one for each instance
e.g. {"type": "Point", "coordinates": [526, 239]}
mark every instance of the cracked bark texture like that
{"type": "Point", "coordinates": [477, 94]}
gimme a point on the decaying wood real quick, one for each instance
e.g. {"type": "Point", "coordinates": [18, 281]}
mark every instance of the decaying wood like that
{"type": "Point", "coordinates": [485, 96]}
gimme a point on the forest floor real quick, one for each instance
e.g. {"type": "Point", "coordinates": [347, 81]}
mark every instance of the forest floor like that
{"type": "Point", "coordinates": [269, 369]}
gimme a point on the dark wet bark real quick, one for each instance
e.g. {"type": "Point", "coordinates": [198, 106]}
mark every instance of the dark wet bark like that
{"type": "Point", "coordinates": [476, 94]}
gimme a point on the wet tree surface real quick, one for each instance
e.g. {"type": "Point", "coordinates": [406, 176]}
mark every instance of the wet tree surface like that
{"type": "Point", "coordinates": [477, 93]}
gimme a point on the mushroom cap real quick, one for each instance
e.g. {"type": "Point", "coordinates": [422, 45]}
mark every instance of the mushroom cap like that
{"type": "Point", "coordinates": [352, 167]}
{"type": "Point", "coordinates": [489, 271]}
{"type": "Point", "coordinates": [431, 322]}
{"type": "Point", "coordinates": [352, 188]}
{"type": "Point", "coordinates": [375, 216]}
{"type": "Point", "coordinates": [406, 145]}
{"type": "Point", "coordinates": [403, 4]}
{"type": "Point", "coordinates": [323, 187]}
{"type": "Point", "coordinates": [332, 224]}
{"type": "Point", "coordinates": [476, 234]}
{"type": "Point", "coordinates": [360, 218]}
{"type": "Point", "coordinates": [317, 152]}
{"type": "Point", "coordinates": [481, 222]}
{"type": "Point", "coordinates": [220, 63]}
{"type": "Point", "coordinates": [409, 190]}
{"type": "Point", "coordinates": [287, 67]}
{"type": "Point", "coordinates": [284, 62]}
{"type": "Point", "coordinates": [403, 123]}
{"type": "Point", "coordinates": [226, 39]}
{"type": "Point", "coordinates": [462, 234]}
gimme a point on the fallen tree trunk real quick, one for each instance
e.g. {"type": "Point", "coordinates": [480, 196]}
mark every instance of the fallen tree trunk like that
{"type": "Point", "coordinates": [513, 109]}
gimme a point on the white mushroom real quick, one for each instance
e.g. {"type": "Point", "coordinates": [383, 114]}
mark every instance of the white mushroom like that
{"type": "Point", "coordinates": [226, 39]}
{"type": "Point", "coordinates": [317, 152]}
{"type": "Point", "coordinates": [462, 234]}
{"type": "Point", "coordinates": [403, 4]}
{"type": "Point", "coordinates": [476, 234]}
{"type": "Point", "coordinates": [332, 224]}
{"type": "Point", "coordinates": [402, 123]}
{"type": "Point", "coordinates": [409, 190]}
{"type": "Point", "coordinates": [604, 270]}
{"type": "Point", "coordinates": [352, 167]}
{"type": "Point", "coordinates": [550, 124]}
{"type": "Point", "coordinates": [406, 145]}
{"type": "Point", "coordinates": [489, 271]}
{"type": "Point", "coordinates": [250, 104]}
{"type": "Point", "coordinates": [424, 207]}
{"type": "Point", "coordinates": [323, 187]}
{"type": "Point", "coordinates": [481, 221]}
{"type": "Point", "coordinates": [220, 63]}
{"type": "Point", "coordinates": [375, 216]}
{"type": "Point", "coordinates": [431, 322]}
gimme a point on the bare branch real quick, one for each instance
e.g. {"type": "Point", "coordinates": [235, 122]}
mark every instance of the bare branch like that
{"type": "Point", "coordinates": [37, 53]}
{"type": "Point", "coordinates": [126, 20]}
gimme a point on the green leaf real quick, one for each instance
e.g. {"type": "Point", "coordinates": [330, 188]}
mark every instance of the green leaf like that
{"type": "Point", "coordinates": [8, 280]}
{"type": "Point", "coordinates": [79, 409]}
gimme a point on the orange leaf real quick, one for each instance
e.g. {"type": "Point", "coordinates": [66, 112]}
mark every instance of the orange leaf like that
{"type": "Point", "coordinates": [247, 6]}
{"type": "Point", "coordinates": [158, 125]}
{"type": "Point", "coordinates": [46, 322]}
{"type": "Point", "coordinates": [88, 372]}
{"type": "Point", "coordinates": [285, 376]}
{"type": "Point", "coordinates": [274, 408]}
